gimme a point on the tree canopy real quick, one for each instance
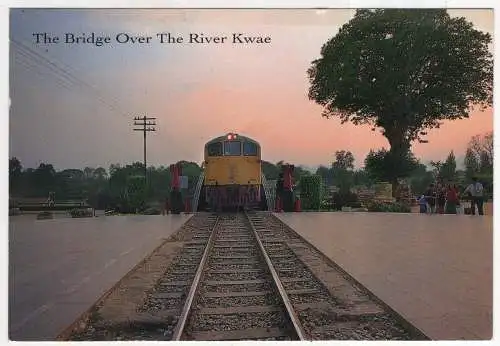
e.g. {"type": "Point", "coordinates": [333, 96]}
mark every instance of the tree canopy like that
{"type": "Point", "coordinates": [479, 158]}
{"type": "Point", "coordinates": [383, 165]}
{"type": "Point", "coordinates": [343, 160]}
{"type": "Point", "coordinates": [403, 71]}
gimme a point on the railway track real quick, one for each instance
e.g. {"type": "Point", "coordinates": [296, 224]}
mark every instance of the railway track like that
{"type": "Point", "coordinates": [238, 295]}
{"type": "Point", "coordinates": [248, 277]}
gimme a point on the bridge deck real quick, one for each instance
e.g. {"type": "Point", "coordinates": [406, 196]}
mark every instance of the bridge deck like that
{"type": "Point", "coordinates": [435, 270]}
{"type": "Point", "coordinates": [59, 268]}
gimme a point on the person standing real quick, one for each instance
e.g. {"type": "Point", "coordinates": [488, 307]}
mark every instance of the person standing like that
{"type": "Point", "coordinates": [422, 202]}
{"type": "Point", "coordinates": [279, 192]}
{"type": "Point", "coordinates": [460, 208]}
{"type": "Point", "coordinates": [430, 197]}
{"type": "Point", "coordinates": [476, 191]}
{"type": "Point", "coordinates": [451, 200]}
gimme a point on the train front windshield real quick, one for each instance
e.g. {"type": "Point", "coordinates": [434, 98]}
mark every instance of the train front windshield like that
{"type": "Point", "coordinates": [250, 149]}
{"type": "Point", "coordinates": [214, 149]}
{"type": "Point", "coordinates": [232, 148]}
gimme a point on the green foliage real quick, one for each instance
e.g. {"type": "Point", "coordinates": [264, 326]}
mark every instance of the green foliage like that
{"type": "Point", "coordinates": [310, 192]}
{"type": "Point", "coordinates": [345, 199]}
{"type": "Point", "coordinates": [420, 179]}
{"type": "Point", "coordinates": [78, 213]}
{"type": "Point", "coordinates": [270, 171]}
{"type": "Point", "coordinates": [15, 174]}
{"type": "Point", "coordinates": [383, 165]}
{"type": "Point", "coordinates": [151, 211]}
{"type": "Point", "coordinates": [136, 193]}
{"type": "Point", "coordinates": [479, 161]}
{"type": "Point", "coordinates": [446, 171]}
{"type": "Point", "coordinates": [326, 174]}
{"type": "Point", "coordinates": [375, 206]}
{"type": "Point", "coordinates": [479, 155]}
{"type": "Point", "coordinates": [45, 215]}
{"type": "Point", "coordinates": [343, 160]}
{"type": "Point", "coordinates": [299, 172]}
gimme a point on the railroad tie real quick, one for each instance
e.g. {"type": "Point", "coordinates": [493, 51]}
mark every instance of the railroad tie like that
{"type": "Point", "coordinates": [295, 279]}
{"type": "Point", "coordinates": [167, 295]}
{"type": "Point", "coordinates": [232, 257]}
{"type": "Point", "coordinates": [236, 270]}
{"type": "Point", "coordinates": [239, 310]}
{"type": "Point", "coordinates": [240, 334]}
{"type": "Point", "coordinates": [235, 282]}
{"type": "Point", "coordinates": [175, 283]}
{"type": "Point", "coordinates": [303, 291]}
{"type": "Point", "coordinates": [236, 294]}
{"type": "Point", "coordinates": [235, 246]}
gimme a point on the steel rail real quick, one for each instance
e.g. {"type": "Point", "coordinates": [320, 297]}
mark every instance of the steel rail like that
{"type": "Point", "coordinates": [284, 296]}
{"type": "Point", "coordinates": [179, 328]}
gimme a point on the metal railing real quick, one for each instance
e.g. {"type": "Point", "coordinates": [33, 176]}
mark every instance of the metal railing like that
{"type": "Point", "coordinates": [197, 192]}
{"type": "Point", "coordinates": [269, 191]}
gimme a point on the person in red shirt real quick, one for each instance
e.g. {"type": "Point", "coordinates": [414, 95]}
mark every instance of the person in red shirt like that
{"type": "Point", "coordinates": [451, 200]}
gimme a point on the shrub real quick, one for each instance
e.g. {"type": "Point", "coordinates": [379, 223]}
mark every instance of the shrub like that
{"type": "Point", "coordinates": [151, 211]}
{"type": "Point", "coordinates": [345, 199]}
{"type": "Point", "coordinates": [310, 192]}
{"type": "Point", "coordinates": [326, 205]}
{"type": "Point", "coordinates": [78, 212]}
{"type": "Point", "coordinates": [395, 207]}
{"type": "Point", "coordinates": [355, 205]}
{"type": "Point", "coordinates": [44, 215]}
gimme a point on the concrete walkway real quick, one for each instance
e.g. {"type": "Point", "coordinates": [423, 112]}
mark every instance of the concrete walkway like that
{"type": "Point", "coordinates": [59, 268]}
{"type": "Point", "coordinates": [435, 270]}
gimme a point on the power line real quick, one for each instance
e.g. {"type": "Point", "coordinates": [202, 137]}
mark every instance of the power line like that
{"type": "Point", "coordinates": [147, 124]}
{"type": "Point", "coordinates": [65, 73]}
{"type": "Point", "coordinates": [31, 67]}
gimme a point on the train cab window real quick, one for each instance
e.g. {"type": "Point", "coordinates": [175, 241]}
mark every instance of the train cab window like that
{"type": "Point", "coordinates": [232, 148]}
{"type": "Point", "coordinates": [249, 149]}
{"type": "Point", "coordinates": [214, 149]}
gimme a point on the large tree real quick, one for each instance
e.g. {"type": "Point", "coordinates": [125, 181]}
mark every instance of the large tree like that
{"type": "Point", "coordinates": [403, 71]}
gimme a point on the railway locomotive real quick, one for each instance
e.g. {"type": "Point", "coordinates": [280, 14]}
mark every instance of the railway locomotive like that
{"type": "Point", "coordinates": [233, 175]}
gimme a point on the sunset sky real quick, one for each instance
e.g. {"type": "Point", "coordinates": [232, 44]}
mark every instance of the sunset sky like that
{"type": "Point", "coordinates": [196, 92]}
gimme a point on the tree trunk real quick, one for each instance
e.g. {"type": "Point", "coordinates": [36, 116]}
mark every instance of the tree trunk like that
{"type": "Point", "coordinates": [399, 147]}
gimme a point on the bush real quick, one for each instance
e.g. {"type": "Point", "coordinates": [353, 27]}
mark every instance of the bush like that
{"type": "Point", "coordinates": [44, 215]}
{"type": "Point", "coordinates": [310, 192]}
{"type": "Point", "coordinates": [326, 205]}
{"type": "Point", "coordinates": [345, 199]}
{"type": "Point", "coordinates": [151, 211]}
{"type": "Point", "coordinates": [355, 205]}
{"type": "Point", "coordinates": [395, 207]}
{"type": "Point", "coordinates": [76, 213]}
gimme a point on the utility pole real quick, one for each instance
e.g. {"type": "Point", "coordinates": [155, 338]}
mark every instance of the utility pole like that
{"type": "Point", "coordinates": [147, 124]}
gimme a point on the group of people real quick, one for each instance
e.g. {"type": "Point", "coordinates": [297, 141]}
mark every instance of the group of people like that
{"type": "Point", "coordinates": [446, 199]}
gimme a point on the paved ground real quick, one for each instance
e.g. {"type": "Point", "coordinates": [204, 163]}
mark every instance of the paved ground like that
{"type": "Point", "coordinates": [435, 270]}
{"type": "Point", "coordinates": [58, 268]}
